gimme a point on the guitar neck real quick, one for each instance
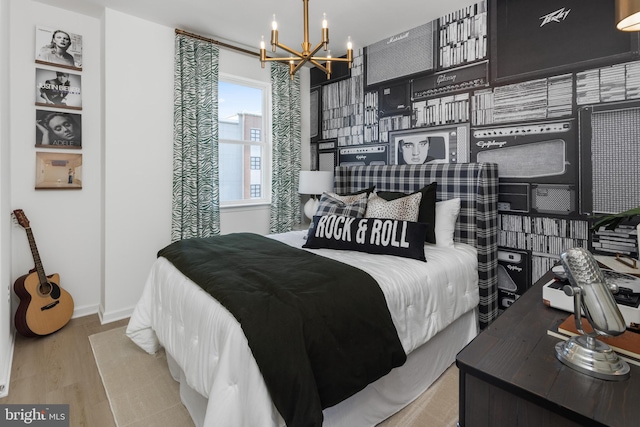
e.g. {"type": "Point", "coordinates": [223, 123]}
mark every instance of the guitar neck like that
{"type": "Point", "coordinates": [36, 256]}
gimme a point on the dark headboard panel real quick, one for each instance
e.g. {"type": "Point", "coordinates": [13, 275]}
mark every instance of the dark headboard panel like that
{"type": "Point", "coordinates": [476, 184]}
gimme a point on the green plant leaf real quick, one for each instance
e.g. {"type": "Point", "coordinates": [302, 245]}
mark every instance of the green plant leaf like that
{"type": "Point", "coordinates": [610, 222]}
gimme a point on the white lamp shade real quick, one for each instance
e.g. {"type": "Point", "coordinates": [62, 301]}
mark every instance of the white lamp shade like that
{"type": "Point", "coordinates": [315, 182]}
{"type": "Point", "coordinates": [628, 15]}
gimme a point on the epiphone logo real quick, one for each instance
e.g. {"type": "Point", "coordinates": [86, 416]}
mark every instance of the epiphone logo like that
{"type": "Point", "coordinates": [360, 157]}
{"type": "Point", "coordinates": [557, 16]}
{"type": "Point", "coordinates": [492, 143]}
{"type": "Point", "coordinates": [398, 37]}
{"type": "Point", "coordinates": [514, 268]}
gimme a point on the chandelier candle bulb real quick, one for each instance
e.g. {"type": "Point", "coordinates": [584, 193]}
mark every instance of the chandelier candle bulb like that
{"type": "Point", "coordinates": [274, 34]}
{"type": "Point", "coordinates": [325, 32]}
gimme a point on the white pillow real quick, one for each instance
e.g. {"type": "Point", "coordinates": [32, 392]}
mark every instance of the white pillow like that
{"type": "Point", "coordinates": [446, 216]}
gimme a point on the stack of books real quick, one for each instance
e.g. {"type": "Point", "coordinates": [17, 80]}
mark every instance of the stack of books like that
{"type": "Point", "coordinates": [626, 345]}
{"type": "Point", "coordinates": [623, 240]}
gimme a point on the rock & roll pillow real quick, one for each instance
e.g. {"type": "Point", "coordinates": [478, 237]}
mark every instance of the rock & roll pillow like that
{"type": "Point", "coordinates": [427, 213]}
{"type": "Point", "coordinates": [371, 235]}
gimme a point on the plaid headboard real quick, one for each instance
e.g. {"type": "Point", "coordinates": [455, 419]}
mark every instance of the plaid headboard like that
{"type": "Point", "coordinates": [476, 184]}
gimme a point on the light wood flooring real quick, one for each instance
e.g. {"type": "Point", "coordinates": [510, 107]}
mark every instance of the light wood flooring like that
{"type": "Point", "coordinates": [60, 368]}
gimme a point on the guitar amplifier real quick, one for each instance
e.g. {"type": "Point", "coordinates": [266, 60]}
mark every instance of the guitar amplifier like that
{"type": "Point", "coordinates": [514, 275]}
{"type": "Point", "coordinates": [404, 54]}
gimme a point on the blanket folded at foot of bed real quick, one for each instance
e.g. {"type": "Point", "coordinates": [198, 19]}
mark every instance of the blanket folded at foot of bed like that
{"type": "Point", "coordinates": [319, 329]}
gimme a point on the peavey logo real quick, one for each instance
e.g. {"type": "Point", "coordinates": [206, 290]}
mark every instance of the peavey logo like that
{"type": "Point", "coordinates": [514, 267]}
{"type": "Point", "coordinates": [446, 79]}
{"type": "Point", "coordinates": [557, 16]}
{"type": "Point", "coordinates": [489, 144]}
{"type": "Point", "coordinates": [398, 37]}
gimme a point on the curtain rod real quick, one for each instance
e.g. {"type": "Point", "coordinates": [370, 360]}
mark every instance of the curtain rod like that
{"type": "Point", "coordinates": [216, 42]}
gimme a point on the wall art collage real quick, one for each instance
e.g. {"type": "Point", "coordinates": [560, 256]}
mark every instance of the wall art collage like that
{"type": "Point", "coordinates": [58, 100]}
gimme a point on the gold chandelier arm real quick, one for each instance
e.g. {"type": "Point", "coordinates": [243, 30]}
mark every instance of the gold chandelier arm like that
{"type": "Point", "coordinates": [291, 51]}
{"type": "Point", "coordinates": [319, 58]}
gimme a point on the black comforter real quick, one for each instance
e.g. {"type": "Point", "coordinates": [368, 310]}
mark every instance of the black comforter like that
{"type": "Point", "coordinates": [319, 330]}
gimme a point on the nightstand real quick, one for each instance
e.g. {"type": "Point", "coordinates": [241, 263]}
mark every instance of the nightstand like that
{"type": "Point", "coordinates": [509, 376]}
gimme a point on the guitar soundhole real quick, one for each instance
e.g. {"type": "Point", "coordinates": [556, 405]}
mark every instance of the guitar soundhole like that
{"type": "Point", "coordinates": [50, 289]}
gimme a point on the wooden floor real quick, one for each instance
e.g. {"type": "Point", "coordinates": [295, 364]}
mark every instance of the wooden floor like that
{"type": "Point", "coordinates": [60, 368]}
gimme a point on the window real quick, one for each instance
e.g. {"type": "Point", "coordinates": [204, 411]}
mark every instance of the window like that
{"type": "Point", "coordinates": [244, 155]}
{"type": "Point", "coordinates": [255, 163]}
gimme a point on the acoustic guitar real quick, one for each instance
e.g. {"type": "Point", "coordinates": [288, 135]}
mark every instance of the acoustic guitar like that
{"type": "Point", "coordinates": [44, 306]}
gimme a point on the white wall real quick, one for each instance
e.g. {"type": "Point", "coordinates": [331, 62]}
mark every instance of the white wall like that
{"type": "Point", "coordinates": [65, 223]}
{"type": "Point", "coordinates": [102, 239]}
{"type": "Point", "coordinates": [6, 335]}
{"type": "Point", "coordinates": [138, 149]}
{"type": "Point", "coordinates": [137, 158]}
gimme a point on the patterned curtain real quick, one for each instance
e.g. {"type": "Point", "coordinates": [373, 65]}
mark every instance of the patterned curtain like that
{"type": "Point", "coordinates": [196, 202]}
{"type": "Point", "coordinates": [286, 136]}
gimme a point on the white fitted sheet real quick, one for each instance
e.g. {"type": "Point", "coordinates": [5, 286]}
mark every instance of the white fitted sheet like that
{"type": "Point", "coordinates": [208, 344]}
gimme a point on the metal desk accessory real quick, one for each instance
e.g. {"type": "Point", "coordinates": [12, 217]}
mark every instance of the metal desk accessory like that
{"type": "Point", "coordinates": [592, 296]}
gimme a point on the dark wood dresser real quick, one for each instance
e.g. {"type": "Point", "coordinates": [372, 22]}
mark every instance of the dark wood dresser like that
{"type": "Point", "coordinates": [509, 376]}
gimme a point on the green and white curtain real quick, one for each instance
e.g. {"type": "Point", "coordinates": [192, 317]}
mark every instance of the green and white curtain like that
{"type": "Point", "coordinates": [196, 201]}
{"type": "Point", "coordinates": [286, 137]}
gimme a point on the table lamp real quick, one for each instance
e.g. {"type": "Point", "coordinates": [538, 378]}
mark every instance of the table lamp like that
{"type": "Point", "coordinates": [314, 183]}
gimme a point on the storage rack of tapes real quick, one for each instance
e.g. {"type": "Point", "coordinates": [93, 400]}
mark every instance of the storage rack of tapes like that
{"type": "Point", "coordinates": [546, 238]}
{"type": "Point", "coordinates": [440, 111]}
{"type": "Point", "coordinates": [534, 99]}
{"type": "Point", "coordinates": [343, 107]}
{"type": "Point", "coordinates": [607, 84]}
{"type": "Point", "coordinates": [463, 36]}
{"type": "Point", "coordinates": [371, 128]}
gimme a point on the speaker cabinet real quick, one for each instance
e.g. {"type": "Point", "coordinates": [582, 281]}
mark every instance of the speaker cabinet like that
{"type": "Point", "coordinates": [394, 100]}
{"type": "Point", "coordinates": [401, 55]}
{"type": "Point", "coordinates": [556, 199]}
{"type": "Point", "coordinates": [514, 275]}
{"type": "Point", "coordinates": [610, 160]}
{"type": "Point", "coordinates": [545, 37]}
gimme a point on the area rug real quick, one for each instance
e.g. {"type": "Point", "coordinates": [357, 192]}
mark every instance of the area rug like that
{"type": "Point", "coordinates": [142, 393]}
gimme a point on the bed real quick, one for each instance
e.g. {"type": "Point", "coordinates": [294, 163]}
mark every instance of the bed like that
{"type": "Point", "coordinates": [208, 353]}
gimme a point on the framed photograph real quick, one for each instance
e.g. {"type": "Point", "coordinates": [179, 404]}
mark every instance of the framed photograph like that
{"type": "Point", "coordinates": [58, 171]}
{"type": "Point", "coordinates": [58, 129]}
{"type": "Point", "coordinates": [58, 88]}
{"type": "Point", "coordinates": [418, 146]}
{"type": "Point", "coordinates": [57, 47]}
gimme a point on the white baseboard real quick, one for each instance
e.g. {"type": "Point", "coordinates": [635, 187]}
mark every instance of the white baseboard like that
{"type": "Point", "coordinates": [112, 316]}
{"type": "Point", "coordinates": [5, 370]}
{"type": "Point", "coordinates": [85, 310]}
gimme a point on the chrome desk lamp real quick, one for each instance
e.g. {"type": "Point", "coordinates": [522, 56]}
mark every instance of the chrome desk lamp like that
{"type": "Point", "coordinates": [591, 295]}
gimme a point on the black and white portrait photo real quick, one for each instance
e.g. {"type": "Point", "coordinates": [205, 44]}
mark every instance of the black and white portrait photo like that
{"type": "Point", "coordinates": [417, 147]}
{"type": "Point", "coordinates": [58, 89]}
{"type": "Point", "coordinates": [58, 129]}
{"type": "Point", "coordinates": [58, 47]}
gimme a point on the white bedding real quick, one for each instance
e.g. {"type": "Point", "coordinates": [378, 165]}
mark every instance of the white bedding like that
{"type": "Point", "coordinates": [208, 343]}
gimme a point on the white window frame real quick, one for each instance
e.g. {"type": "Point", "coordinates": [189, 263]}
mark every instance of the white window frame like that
{"type": "Point", "coordinates": [266, 140]}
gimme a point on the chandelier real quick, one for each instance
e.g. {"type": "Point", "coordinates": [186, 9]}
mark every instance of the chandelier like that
{"type": "Point", "coordinates": [298, 59]}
